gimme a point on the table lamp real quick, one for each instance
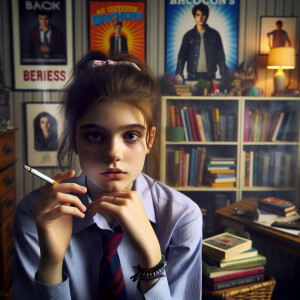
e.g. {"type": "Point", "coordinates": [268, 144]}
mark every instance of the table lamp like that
{"type": "Point", "coordinates": [281, 58]}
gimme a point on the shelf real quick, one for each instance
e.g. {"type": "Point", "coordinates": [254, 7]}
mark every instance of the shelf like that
{"type": "Point", "coordinates": [235, 106]}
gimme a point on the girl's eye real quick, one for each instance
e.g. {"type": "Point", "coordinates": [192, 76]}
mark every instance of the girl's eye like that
{"type": "Point", "coordinates": [94, 137]}
{"type": "Point", "coordinates": [131, 136]}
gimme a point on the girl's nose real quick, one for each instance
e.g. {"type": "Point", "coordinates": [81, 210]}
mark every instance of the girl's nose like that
{"type": "Point", "coordinates": [113, 152]}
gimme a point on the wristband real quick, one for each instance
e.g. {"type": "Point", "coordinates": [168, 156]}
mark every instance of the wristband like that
{"type": "Point", "coordinates": [148, 274]}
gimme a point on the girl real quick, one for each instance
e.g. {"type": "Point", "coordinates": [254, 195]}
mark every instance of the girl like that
{"type": "Point", "coordinates": [59, 229]}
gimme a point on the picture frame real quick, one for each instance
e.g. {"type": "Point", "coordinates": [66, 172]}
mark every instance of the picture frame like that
{"type": "Point", "coordinates": [268, 27]}
{"type": "Point", "coordinates": [43, 54]}
{"type": "Point", "coordinates": [43, 125]}
{"type": "Point", "coordinates": [223, 17]}
{"type": "Point", "coordinates": [104, 18]}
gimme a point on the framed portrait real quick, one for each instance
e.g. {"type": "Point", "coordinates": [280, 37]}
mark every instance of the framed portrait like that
{"type": "Point", "coordinates": [43, 124]}
{"type": "Point", "coordinates": [118, 26]}
{"type": "Point", "coordinates": [42, 43]}
{"type": "Point", "coordinates": [277, 32]}
{"type": "Point", "coordinates": [222, 21]}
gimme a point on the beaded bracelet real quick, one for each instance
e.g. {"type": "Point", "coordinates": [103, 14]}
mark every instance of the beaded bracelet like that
{"type": "Point", "coordinates": [148, 274]}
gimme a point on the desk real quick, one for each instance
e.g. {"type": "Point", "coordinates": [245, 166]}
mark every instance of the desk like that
{"type": "Point", "coordinates": [276, 238]}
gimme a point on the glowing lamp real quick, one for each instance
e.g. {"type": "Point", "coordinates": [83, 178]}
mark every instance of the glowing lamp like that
{"type": "Point", "coordinates": [281, 58]}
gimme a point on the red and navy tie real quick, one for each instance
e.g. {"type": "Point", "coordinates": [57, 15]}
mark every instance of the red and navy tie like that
{"type": "Point", "coordinates": [112, 285]}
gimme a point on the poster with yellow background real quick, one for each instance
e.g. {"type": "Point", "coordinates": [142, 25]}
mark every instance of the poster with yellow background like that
{"type": "Point", "coordinates": [118, 26]}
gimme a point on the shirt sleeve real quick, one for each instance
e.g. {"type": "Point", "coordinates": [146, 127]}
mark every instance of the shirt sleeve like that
{"type": "Point", "coordinates": [52, 292]}
{"type": "Point", "coordinates": [184, 256]}
{"type": "Point", "coordinates": [27, 256]}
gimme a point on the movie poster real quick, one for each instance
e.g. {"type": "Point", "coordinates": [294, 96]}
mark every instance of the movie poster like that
{"type": "Point", "coordinates": [118, 27]}
{"type": "Point", "coordinates": [43, 43]}
{"type": "Point", "coordinates": [223, 17]}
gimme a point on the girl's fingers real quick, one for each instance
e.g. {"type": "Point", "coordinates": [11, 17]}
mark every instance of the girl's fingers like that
{"type": "Point", "coordinates": [64, 176]}
{"type": "Point", "coordinates": [65, 210]}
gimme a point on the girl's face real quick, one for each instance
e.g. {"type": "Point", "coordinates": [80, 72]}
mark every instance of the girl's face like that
{"type": "Point", "coordinates": [45, 123]}
{"type": "Point", "coordinates": [111, 144]}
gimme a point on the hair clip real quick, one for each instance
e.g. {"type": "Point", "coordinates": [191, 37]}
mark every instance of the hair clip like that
{"type": "Point", "coordinates": [99, 63]}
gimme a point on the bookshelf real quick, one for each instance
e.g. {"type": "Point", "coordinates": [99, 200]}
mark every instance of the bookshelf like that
{"type": "Point", "coordinates": [251, 116]}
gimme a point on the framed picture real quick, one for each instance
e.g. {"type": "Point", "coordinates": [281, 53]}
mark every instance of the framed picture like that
{"type": "Point", "coordinates": [118, 26]}
{"type": "Point", "coordinates": [222, 21]}
{"type": "Point", "coordinates": [43, 44]}
{"type": "Point", "coordinates": [277, 32]}
{"type": "Point", "coordinates": [43, 128]}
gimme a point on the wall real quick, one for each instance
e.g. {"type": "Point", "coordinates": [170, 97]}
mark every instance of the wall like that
{"type": "Point", "coordinates": [249, 20]}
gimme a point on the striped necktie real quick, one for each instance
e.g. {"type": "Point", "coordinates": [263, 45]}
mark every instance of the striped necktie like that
{"type": "Point", "coordinates": [112, 285]}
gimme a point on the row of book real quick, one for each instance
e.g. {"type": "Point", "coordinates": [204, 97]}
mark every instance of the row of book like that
{"type": "Point", "coordinates": [192, 168]}
{"type": "Point", "coordinates": [229, 261]}
{"type": "Point", "coordinates": [185, 168]}
{"type": "Point", "coordinates": [202, 125]}
{"type": "Point", "coordinates": [273, 169]}
{"type": "Point", "coordinates": [263, 126]}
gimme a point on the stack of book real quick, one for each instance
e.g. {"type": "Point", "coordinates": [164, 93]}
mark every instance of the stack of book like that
{"type": "Point", "coordinates": [183, 89]}
{"type": "Point", "coordinates": [278, 206]}
{"type": "Point", "coordinates": [220, 172]}
{"type": "Point", "coordinates": [229, 261]}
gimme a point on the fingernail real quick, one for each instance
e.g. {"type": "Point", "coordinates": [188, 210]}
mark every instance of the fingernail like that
{"type": "Point", "coordinates": [84, 189]}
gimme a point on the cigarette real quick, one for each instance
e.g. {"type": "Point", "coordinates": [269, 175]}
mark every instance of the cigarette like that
{"type": "Point", "coordinates": [40, 175]}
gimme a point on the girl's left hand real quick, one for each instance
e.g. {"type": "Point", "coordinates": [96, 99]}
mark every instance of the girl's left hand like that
{"type": "Point", "coordinates": [127, 208]}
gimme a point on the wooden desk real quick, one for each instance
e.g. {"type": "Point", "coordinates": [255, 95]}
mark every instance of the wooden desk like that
{"type": "Point", "coordinates": [276, 238]}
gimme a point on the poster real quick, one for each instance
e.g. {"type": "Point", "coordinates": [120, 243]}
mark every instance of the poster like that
{"type": "Point", "coordinates": [284, 28]}
{"type": "Point", "coordinates": [126, 19]}
{"type": "Point", "coordinates": [43, 129]}
{"type": "Point", "coordinates": [43, 44]}
{"type": "Point", "coordinates": [223, 17]}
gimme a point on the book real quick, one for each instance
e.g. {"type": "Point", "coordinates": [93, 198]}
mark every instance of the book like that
{"type": "Point", "coordinates": [246, 254]}
{"type": "Point", "coordinates": [234, 282]}
{"type": "Point", "coordinates": [225, 245]}
{"type": "Point", "coordinates": [241, 264]}
{"type": "Point", "coordinates": [223, 128]}
{"type": "Point", "coordinates": [276, 204]}
{"type": "Point", "coordinates": [201, 128]}
{"type": "Point", "coordinates": [210, 180]}
{"type": "Point", "coordinates": [238, 274]}
{"type": "Point", "coordinates": [231, 120]}
{"type": "Point", "coordinates": [192, 122]}
{"type": "Point", "coordinates": [186, 137]}
{"type": "Point", "coordinates": [278, 125]}
{"type": "Point", "coordinates": [246, 125]}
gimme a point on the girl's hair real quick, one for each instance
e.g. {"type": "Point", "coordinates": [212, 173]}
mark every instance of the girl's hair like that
{"type": "Point", "coordinates": [106, 83]}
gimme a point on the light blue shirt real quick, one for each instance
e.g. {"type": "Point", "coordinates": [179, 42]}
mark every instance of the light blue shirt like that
{"type": "Point", "coordinates": [176, 220]}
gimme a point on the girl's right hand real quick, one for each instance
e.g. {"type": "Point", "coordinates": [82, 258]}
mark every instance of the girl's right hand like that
{"type": "Point", "coordinates": [53, 215]}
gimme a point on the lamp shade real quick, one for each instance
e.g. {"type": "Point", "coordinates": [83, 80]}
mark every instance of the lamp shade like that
{"type": "Point", "coordinates": [281, 57]}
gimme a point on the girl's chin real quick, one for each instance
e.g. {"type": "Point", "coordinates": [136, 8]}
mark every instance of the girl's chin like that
{"type": "Point", "coordinates": [114, 187]}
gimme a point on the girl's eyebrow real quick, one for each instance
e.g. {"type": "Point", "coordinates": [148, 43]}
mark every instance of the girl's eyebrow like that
{"type": "Point", "coordinates": [121, 128]}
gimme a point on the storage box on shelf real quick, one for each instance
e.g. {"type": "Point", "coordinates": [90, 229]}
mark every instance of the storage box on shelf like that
{"type": "Point", "coordinates": [198, 132]}
{"type": "Point", "coordinates": [7, 209]}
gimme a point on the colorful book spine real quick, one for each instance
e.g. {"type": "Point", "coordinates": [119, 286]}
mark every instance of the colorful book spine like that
{"type": "Point", "coordinates": [246, 125]}
{"type": "Point", "coordinates": [236, 282]}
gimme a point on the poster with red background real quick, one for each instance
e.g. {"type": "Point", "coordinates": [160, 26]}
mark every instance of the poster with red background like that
{"type": "Point", "coordinates": [103, 16]}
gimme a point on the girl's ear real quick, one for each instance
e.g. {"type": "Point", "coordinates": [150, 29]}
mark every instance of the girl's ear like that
{"type": "Point", "coordinates": [151, 138]}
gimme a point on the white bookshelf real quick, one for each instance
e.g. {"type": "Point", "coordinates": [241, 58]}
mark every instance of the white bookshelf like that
{"type": "Point", "coordinates": [236, 147]}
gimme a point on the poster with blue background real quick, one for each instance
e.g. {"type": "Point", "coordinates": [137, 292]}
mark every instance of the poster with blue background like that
{"type": "Point", "coordinates": [223, 17]}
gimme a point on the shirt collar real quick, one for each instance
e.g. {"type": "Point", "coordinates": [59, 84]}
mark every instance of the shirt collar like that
{"type": "Point", "coordinates": [142, 185]}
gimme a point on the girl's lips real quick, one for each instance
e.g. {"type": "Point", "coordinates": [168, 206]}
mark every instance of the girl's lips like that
{"type": "Point", "coordinates": [113, 175]}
